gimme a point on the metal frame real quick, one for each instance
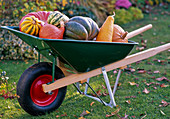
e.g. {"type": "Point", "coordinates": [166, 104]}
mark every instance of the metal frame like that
{"type": "Point", "coordinates": [112, 102]}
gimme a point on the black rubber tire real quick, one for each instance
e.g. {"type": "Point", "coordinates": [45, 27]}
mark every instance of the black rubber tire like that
{"type": "Point", "coordinates": [24, 85]}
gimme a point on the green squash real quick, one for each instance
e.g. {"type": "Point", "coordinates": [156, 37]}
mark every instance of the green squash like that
{"type": "Point", "coordinates": [81, 28]}
{"type": "Point", "coordinates": [55, 17]}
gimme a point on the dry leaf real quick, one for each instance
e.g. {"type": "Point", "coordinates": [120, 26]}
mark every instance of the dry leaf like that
{"type": "Point", "coordinates": [113, 113]}
{"type": "Point", "coordinates": [162, 78]}
{"type": "Point", "coordinates": [144, 116]}
{"type": "Point", "coordinates": [103, 86]}
{"type": "Point", "coordinates": [92, 103]}
{"type": "Point", "coordinates": [162, 112]}
{"type": "Point", "coordinates": [164, 103]}
{"type": "Point", "coordinates": [163, 85]}
{"type": "Point", "coordinates": [141, 71]}
{"type": "Point", "coordinates": [146, 91]}
{"type": "Point", "coordinates": [148, 84]}
{"type": "Point", "coordinates": [105, 94]}
{"type": "Point", "coordinates": [114, 71]}
{"type": "Point", "coordinates": [125, 117]}
{"type": "Point", "coordinates": [132, 83]}
{"type": "Point", "coordinates": [156, 72]}
{"type": "Point", "coordinates": [84, 113]}
{"type": "Point", "coordinates": [128, 101]}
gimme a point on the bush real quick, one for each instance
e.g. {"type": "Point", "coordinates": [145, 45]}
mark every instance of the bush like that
{"type": "Point", "coordinates": [125, 16]}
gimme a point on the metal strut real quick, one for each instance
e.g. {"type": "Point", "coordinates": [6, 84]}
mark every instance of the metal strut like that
{"type": "Point", "coordinates": [112, 102]}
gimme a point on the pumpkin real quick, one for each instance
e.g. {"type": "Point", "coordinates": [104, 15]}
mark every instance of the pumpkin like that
{"type": "Point", "coordinates": [55, 17]}
{"type": "Point", "coordinates": [81, 28]}
{"type": "Point", "coordinates": [41, 15]}
{"type": "Point", "coordinates": [50, 31]}
{"type": "Point", "coordinates": [106, 30]}
{"type": "Point", "coordinates": [31, 25]}
{"type": "Point", "coordinates": [119, 35]}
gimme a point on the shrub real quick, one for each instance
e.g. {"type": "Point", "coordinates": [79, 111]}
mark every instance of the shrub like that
{"type": "Point", "coordinates": [125, 16]}
{"type": "Point", "coordinates": [136, 13]}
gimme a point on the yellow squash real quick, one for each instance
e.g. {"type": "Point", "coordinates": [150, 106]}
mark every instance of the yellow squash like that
{"type": "Point", "coordinates": [106, 31]}
{"type": "Point", "coordinates": [31, 25]}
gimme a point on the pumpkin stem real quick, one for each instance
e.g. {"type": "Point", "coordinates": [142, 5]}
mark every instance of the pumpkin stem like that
{"type": "Point", "coordinates": [124, 35]}
{"type": "Point", "coordinates": [61, 24]}
{"type": "Point", "coordinates": [113, 14]}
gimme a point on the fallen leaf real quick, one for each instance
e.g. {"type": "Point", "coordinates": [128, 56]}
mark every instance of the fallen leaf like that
{"type": "Point", "coordinates": [113, 113]}
{"type": "Point", "coordinates": [146, 91]}
{"type": "Point", "coordinates": [144, 116]}
{"type": "Point", "coordinates": [156, 72]}
{"type": "Point", "coordinates": [164, 103]}
{"type": "Point", "coordinates": [148, 84]}
{"type": "Point", "coordinates": [125, 117]}
{"type": "Point", "coordinates": [132, 83]}
{"type": "Point", "coordinates": [103, 86]}
{"type": "Point", "coordinates": [105, 94]}
{"type": "Point", "coordinates": [92, 103]}
{"type": "Point", "coordinates": [114, 71]}
{"type": "Point", "coordinates": [84, 113]}
{"type": "Point", "coordinates": [133, 116]}
{"type": "Point", "coordinates": [128, 101]}
{"type": "Point", "coordinates": [162, 112]}
{"type": "Point", "coordinates": [162, 78]}
{"type": "Point", "coordinates": [99, 93]}
{"type": "Point", "coordinates": [141, 71]}
{"type": "Point", "coordinates": [163, 85]}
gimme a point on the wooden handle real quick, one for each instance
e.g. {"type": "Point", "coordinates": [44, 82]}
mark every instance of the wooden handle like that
{"type": "Point", "coordinates": [139, 31]}
{"type": "Point", "coordinates": [128, 60]}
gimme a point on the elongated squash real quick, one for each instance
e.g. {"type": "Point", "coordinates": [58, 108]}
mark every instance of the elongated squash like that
{"type": "Point", "coordinates": [106, 31]}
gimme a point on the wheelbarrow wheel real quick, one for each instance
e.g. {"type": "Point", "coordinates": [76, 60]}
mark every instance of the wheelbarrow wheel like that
{"type": "Point", "coordinates": [32, 98]}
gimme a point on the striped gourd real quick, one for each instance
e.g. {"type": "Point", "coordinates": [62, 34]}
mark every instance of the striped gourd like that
{"type": "Point", "coordinates": [55, 17]}
{"type": "Point", "coordinates": [31, 25]}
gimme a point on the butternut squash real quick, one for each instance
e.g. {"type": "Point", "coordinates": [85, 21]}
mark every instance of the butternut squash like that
{"type": "Point", "coordinates": [106, 31]}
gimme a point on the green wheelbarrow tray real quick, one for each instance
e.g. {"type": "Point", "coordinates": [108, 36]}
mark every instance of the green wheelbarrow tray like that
{"type": "Point", "coordinates": [81, 55]}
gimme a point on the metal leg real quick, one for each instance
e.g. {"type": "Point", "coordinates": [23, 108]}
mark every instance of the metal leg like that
{"type": "Point", "coordinates": [53, 70]}
{"type": "Point", "coordinates": [78, 86]}
{"type": "Point", "coordinates": [112, 100]}
{"type": "Point", "coordinates": [86, 88]}
{"type": "Point", "coordinates": [78, 89]}
{"type": "Point", "coordinates": [98, 99]}
{"type": "Point", "coordinates": [117, 79]}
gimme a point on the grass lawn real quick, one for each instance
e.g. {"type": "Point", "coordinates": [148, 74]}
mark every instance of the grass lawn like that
{"type": "Point", "coordinates": [132, 101]}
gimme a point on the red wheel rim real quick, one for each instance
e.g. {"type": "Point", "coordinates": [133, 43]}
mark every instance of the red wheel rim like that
{"type": "Point", "coordinates": [38, 96]}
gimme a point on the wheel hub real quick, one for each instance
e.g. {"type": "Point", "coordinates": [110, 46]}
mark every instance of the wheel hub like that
{"type": "Point", "coordinates": [38, 96]}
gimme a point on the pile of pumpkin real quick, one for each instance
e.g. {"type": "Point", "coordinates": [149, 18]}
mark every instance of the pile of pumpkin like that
{"type": "Point", "coordinates": [56, 25]}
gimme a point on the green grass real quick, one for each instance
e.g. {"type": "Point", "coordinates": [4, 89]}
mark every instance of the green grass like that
{"type": "Point", "coordinates": [142, 104]}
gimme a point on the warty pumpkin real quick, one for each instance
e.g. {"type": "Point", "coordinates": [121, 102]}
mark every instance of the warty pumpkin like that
{"type": "Point", "coordinates": [55, 17]}
{"type": "Point", "coordinates": [81, 28]}
{"type": "Point", "coordinates": [31, 25]}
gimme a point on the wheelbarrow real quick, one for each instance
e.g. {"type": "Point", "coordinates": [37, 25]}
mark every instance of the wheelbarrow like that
{"type": "Point", "coordinates": [42, 87]}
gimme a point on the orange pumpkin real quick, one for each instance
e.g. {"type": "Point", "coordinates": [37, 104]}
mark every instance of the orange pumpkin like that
{"type": "Point", "coordinates": [119, 35]}
{"type": "Point", "coordinates": [50, 31]}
